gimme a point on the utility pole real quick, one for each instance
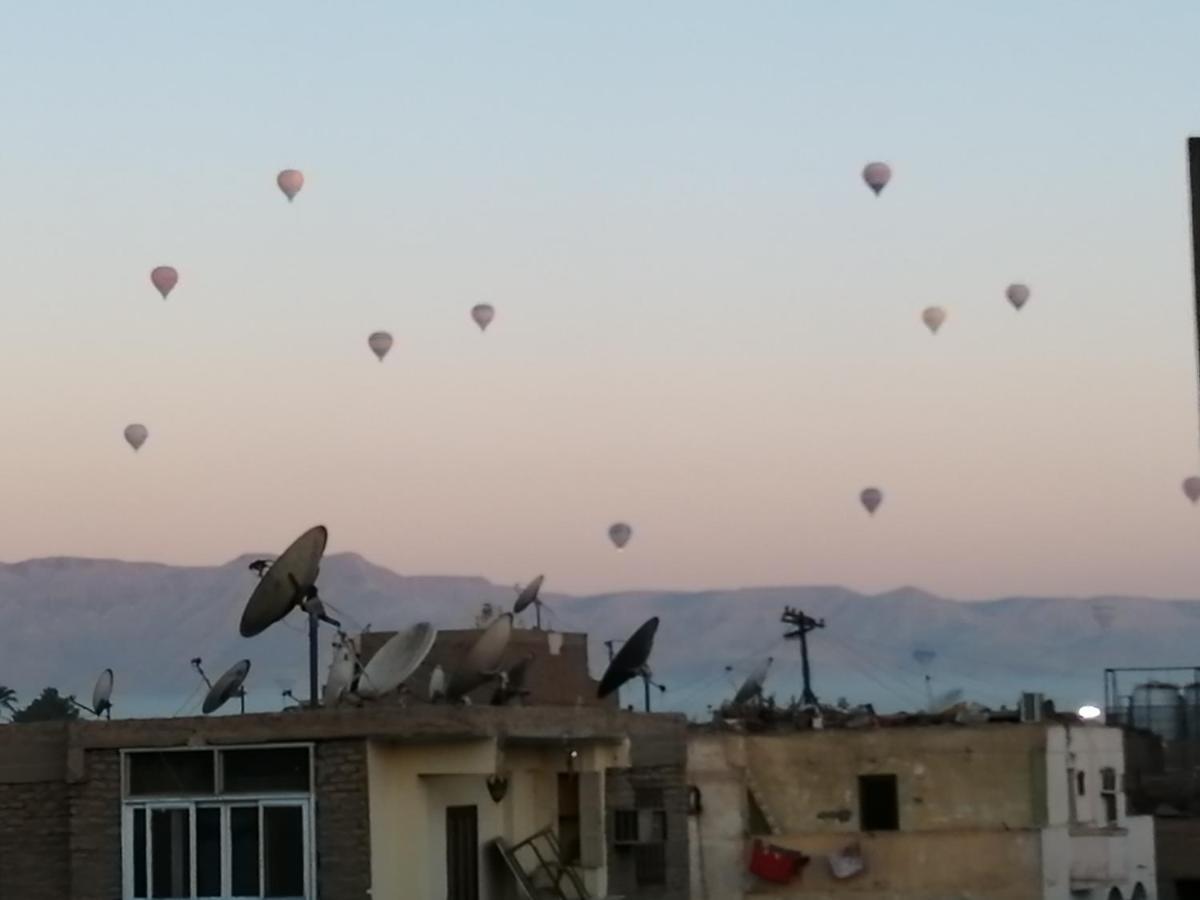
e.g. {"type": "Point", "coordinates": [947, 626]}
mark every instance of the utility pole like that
{"type": "Point", "coordinates": [802, 625]}
{"type": "Point", "coordinates": [1194, 184]}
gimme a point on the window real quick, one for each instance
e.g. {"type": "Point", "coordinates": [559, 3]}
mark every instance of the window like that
{"type": "Point", "coordinates": [625, 826]}
{"type": "Point", "coordinates": [1108, 794]}
{"type": "Point", "coordinates": [218, 823]}
{"type": "Point", "coordinates": [643, 830]}
{"type": "Point", "coordinates": [878, 803]}
{"type": "Point", "coordinates": [1080, 783]}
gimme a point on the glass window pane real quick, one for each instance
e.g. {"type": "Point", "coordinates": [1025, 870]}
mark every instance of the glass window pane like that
{"type": "Point", "coordinates": [139, 853]}
{"type": "Point", "coordinates": [170, 853]}
{"type": "Point", "coordinates": [243, 850]}
{"type": "Point", "coordinates": [182, 773]}
{"type": "Point", "coordinates": [283, 849]}
{"type": "Point", "coordinates": [265, 770]}
{"type": "Point", "coordinates": [208, 851]}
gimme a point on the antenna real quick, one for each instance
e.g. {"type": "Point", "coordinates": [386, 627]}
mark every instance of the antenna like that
{"type": "Point", "coordinates": [101, 696]}
{"type": "Point", "coordinates": [287, 583]}
{"type": "Point", "coordinates": [631, 661]}
{"type": "Point", "coordinates": [529, 595]}
{"type": "Point", "coordinates": [236, 691]}
{"type": "Point", "coordinates": [482, 662]}
{"type": "Point", "coordinates": [395, 662]}
{"type": "Point", "coordinates": [803, 625]}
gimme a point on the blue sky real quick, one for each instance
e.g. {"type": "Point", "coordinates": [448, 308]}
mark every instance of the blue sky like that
{"type": "Point", "coordinates": [706, 325]}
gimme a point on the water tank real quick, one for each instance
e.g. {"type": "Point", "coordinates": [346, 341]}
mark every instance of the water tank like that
{"type": "Point", "coordinates": [1191, 710]}
{"type": "Point", "coordinates": [1155, 707]}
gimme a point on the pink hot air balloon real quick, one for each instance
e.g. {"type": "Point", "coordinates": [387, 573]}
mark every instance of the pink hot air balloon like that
{"type": "Point", "coordinates": [1017, 294]}
{"type": "Point", "coordinates": [877, 175]}
{"type": "Point", "coordinates": [1191, 488]}
{"type": "Point", "coordinates": [164, 278]}
{"type": "Point", "coordinates": [483, 313]}
{"type": "Point", "coordinates": [290, 181]}
{"type": "Point", "coordinates": [871, 498]}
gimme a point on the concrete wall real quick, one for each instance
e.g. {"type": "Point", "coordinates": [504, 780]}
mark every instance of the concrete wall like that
{"type": "Point", "coordinates": [1087, 749]}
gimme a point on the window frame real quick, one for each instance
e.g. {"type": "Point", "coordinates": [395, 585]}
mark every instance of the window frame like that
{"type": "Point", "coordinates": [225, 802]}
{"type": "Point", "coordinates": [1110, 795]}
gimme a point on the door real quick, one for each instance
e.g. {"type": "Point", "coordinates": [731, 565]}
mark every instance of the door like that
{"type": "Point", "coordinates": [462, 853]}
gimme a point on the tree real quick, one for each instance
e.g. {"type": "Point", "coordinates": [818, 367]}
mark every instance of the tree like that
{"type": "Point", "coordinates": [49, 707]}
{"type": "Point", "coordinates": [8, 699]}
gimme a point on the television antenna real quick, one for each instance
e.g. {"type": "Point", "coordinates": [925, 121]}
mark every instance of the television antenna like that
{"type": "Point", "coordinates": [288, 583]}
{"type": "Point", "coordinates": [631, 661]}
{"type": "Point", "coordinates": [240, 691]}
{"type": "Point", "coordinates": [481, 663]}
{"type": "Point", "coordinates": [229, 685]}
{"type": "Point", "coordinates": [101, 696]}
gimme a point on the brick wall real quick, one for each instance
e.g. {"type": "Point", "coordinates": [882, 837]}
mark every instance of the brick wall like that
{"type": "Point", "coordinates": [95, 827]}
{"type": "Point", "coordinates": [343, 821]}
{"type": "Point", "coordinates": [33, 842]}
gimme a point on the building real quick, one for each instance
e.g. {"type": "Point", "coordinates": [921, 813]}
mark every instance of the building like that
{"type": "Point", "coordinates": [992, 810]}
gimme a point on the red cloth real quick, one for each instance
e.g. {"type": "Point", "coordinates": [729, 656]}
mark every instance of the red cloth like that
{"type": "Point", "coordinates": [776, 864]}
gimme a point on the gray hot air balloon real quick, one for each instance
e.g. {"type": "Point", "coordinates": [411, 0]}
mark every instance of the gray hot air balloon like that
{"type": "Point", "coordinates": [871, 498]}
{"type": "Point", "coordinates": [1017, 294]}
{"type": "Point", "coordinates": [877, 175]}
{"type": "Point", "coordinates": [483, 313]}
{"type": "Point", "coordinates": [1191, 487]}
{"type": "Point", "coordinates": [135, 435]}
{"type": "Point", "coordinates": [290, 181]}
{"type": "Point", "coordinates": [380, 343]}
{"type": "Point", "coordinates": [164, 279]}
{"type": "Point", "coordinates": [619, 534]}
{"type": "Point", "coordinates": [933, 317]}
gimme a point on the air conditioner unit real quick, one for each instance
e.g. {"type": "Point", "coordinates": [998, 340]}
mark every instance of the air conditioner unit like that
{"type": "Point", "coordinates": [1031, 707]}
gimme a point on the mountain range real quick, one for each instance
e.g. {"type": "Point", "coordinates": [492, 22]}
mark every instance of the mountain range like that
{"type": "Point", "coordinates": [68, 618]}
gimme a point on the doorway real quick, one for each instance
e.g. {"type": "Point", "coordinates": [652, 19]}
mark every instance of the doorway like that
{"type": "Point", "coordinates": [462, 853]}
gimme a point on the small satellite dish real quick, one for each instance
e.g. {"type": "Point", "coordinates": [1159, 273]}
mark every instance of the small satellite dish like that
{"type": "Point", "coordinates": [512, 683]}
{"type": "Point", "coordinates": [341, 671]}
{"type": "Point", "coordinates": [528, 595]}
{"type": "Point", "coordinates": [437, 684]}
{"type": "Point", "coordinates": [226, 687]}
{"type": "Point", "coordinates": [753, 685]}
{"type": "Point", "coordinates": [285, 583]}
{"type": "Point", "coordinates": [630, 660]}
{"type": "Point", "coordinates": [102, 694]}
{"type": "Point", "coordinates": [944, 702]}
{"type": "Point", "coordinates": [396, 660]}
{"type": "Point", "coordinates": [483, 659]}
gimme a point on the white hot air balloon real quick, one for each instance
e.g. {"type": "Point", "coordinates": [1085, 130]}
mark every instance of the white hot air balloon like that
{"type": "Point", "coordinates": [871, 498]}
{"type": "Point", "coordinates": [877, 175]}
{"type": "Point", "coordinates": [1017, 294]}
{"type": "Point", "coordinates": [1191, 488]}
{"type": "Point", "coordinates": [620, 533]}
{"type": "Point", "coordinates": [933, 317]}
{"type": "Point", "coordinates": [483, 313]}
{"type": "Point", "coordinates": [135, 435]}
{"type": "Point", "coordinates": [380, 343]}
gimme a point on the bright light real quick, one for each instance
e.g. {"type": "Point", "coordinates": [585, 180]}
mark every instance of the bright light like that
{"type": "Point", "coordinates": [1089, 712]}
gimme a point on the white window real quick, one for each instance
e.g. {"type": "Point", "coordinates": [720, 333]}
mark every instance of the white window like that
{"type": "Point", "coordinates": [225, 823]}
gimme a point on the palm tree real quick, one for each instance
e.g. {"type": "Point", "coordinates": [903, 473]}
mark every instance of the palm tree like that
{"type": "Point", "coordinates": [8, 699]}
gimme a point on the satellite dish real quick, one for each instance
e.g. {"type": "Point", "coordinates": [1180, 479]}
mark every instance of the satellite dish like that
{"type": "Point", "coordinates": [944, 702]}
{"type": "Point", "coordinates": [102, 694]}
{"type": "Point", "coordinates": [753, 685]}
{"type": "Point", "coordinates": [437, 684]}
{"type": "Point", "coordinates": [396, 660]}
{"type": "Point", "coordinates": [482, 660]}
{"type": "Point", "coordinates": [285, 583]}
{"type": "Point", "coordinates": [528, 595]}
{"type": "Point", "coordinates": [226, 687]}
{"type": "Point", "coordinates": [630, 660]}
{"type": "Point", "coordinates": [512, 683]}
{"type": "Point", "coordinates": [341, 671]}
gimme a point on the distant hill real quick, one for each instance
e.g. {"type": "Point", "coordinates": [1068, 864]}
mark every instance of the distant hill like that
{"type": "Point", "coordinates": [65, 619]}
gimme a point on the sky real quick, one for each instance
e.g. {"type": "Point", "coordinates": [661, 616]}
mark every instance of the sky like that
{"type": "Point", "coordinates": [706, 324]}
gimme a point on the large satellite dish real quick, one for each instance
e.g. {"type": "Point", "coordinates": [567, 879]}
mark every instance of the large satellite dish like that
{"type": "Point", "coordinates": [631, 659]}
{"type": "Point", "coordinates": [753, 685]}
{"type": "Point", "coordinates": [102, 693]}
{"type": "Point", "coordinates": [286, 582]}
{"type": "Point", "coordinates": [482, 662]}
{"type": "Point", "coordinates": [226, 687]}
{"type": "Point", "coordinates": [528, 595]}
{"type": "Point", "coordinates": [395, 661]}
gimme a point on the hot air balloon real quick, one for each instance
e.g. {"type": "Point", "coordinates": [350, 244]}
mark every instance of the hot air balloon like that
{"type": "Point", "coordinates": [164, 278]}
{"type": "Point", "coordinates": [877, 175]}
{"type": "Point", "coordinates": [619, 534]}
{"type": "Point", "coordinates": [1191, 487]}
{"type": "Point", "coordinates": [135, 436]}
{"type": "Point", "coordinates": [290, 181]}
{"type": "Point", "coordinates": [483, 313]}
{"type": "Point", "coordinates": [871, 498]}
{"type": "Point", "coordinates": [1017, 294]}
{"type": "Point", "coordinates": [933, 317]}
{"type": "Point", "coordinates": [380, 343]}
